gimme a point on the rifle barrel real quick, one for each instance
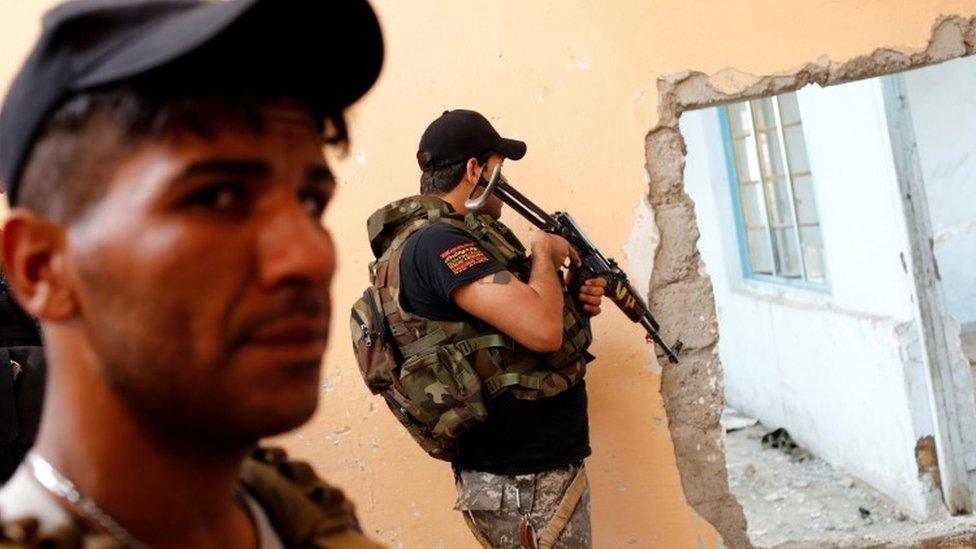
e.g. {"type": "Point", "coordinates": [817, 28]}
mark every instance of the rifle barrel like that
{"type": "Point", "coordinates": [525, 207]}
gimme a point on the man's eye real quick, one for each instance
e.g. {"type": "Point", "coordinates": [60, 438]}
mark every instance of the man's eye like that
{"type": "Point", "coordinates": [314, 202]}
{"type": "Point", "coordinates": [220, 198]}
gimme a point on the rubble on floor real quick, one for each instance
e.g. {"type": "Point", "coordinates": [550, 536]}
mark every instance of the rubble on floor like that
{"type": "Point", "coordinates": [792, 497]}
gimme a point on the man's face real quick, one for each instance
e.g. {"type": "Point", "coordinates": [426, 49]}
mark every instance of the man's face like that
{"type": "Point", "coordinates": [493, 206]}
{"type": "Point", "coordinates": [203, 278]}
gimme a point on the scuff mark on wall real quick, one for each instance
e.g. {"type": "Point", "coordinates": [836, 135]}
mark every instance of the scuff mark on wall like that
{"type": "Point", "coordinates": [956, 231]}
{"type": "Point", "coordinates": [928, 464]}
{"type": "Point", "coordinates": [680, 291]}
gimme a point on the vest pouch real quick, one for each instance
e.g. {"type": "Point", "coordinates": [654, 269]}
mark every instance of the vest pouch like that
{"type": "Point", "coordinates": [445, 391]}
{"type": "Point", "coordinates": [405, 412]}
{"type": "Point", "coordinates": [371, 342]}
{"type": "Point", "coordinates": [576, 338]}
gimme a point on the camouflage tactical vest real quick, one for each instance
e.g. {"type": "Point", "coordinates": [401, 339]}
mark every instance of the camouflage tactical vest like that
{"type": "Point", "coordinates": [436, 375]}
{"type": "Point", "coordinates": [303, 509]}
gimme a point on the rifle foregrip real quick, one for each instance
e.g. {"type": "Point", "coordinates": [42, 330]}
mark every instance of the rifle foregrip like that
{"type": "Point", "coordinates": [618, 290]}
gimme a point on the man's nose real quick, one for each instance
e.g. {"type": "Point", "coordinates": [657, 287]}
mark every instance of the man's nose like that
{"type": "Point", "coordinates": [293, 246]}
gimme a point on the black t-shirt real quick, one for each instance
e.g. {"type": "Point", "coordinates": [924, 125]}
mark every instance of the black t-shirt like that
{"type": "Point", "coordinates": [519, 436]}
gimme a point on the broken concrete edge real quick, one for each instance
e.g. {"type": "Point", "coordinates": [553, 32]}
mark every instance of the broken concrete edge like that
{"type": "Point", "coordinates": [952, 37]}
{"type": "Point", "coordinates": [688, 389]}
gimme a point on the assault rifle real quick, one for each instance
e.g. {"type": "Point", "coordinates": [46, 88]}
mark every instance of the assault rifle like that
{"type": "Point", "coordinates": [593, 263]}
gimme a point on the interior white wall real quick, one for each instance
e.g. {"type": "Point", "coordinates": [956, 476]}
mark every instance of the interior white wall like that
{"type": "Point", "coordinates": [840, 370]}
{"type": "Point", "coordinates": [946, 140]}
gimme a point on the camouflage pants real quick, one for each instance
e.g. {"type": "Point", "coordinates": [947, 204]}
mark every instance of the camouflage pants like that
{"type": "Point", "coordinates": [490, 504]}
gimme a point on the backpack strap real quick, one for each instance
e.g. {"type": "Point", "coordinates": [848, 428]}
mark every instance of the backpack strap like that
{"type": "Point", "coordinates": [384, 224]}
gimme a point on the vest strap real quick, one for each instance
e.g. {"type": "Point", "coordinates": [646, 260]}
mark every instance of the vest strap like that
{"type": "Point", "coordinates": [474, 344]}
{"type": "Point", "coordinates": [406, 233]}
{"type": "Point", "coordinates": [563, 356]}
{"type": "Point", "coordinates": [429, 341]}
{"type": "Point", "coordinates": [496, 383]}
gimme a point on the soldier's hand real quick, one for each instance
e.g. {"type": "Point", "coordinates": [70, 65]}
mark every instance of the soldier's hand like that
{"type": "Point", "coordinates": [555, 247]}
{"type": "Point", "coordinates": [591, 295]}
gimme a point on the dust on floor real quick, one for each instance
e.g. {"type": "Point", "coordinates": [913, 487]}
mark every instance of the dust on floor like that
{"type": "Point", "coordinates": [794, 499]}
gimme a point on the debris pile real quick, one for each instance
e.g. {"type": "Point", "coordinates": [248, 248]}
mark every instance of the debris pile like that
{"type": "Point", "coordinates": [792, 497]}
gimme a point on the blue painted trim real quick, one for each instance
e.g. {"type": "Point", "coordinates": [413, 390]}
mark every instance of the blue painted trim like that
{"type": "Point", "coordinates": [733, 173]}
{"type": "Point", "coordinates": [740, 225]}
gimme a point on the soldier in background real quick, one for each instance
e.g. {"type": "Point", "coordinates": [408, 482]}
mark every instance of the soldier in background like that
{"type": "Point", "coordinates": [164, 164]}
{"type": "Point", "coordinates": [490, 348]}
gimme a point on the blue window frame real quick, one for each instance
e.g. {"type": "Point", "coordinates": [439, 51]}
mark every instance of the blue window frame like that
{"type": "Point", "coordinates": [773, 192]}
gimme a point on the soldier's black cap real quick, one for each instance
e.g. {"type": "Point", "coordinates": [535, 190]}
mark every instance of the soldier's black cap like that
{"type": "Point", "coordinates": [326, 52]}
{"type": "Point", "coordinates": [462, 134]}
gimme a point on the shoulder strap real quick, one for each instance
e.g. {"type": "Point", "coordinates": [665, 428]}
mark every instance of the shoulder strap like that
{"type": "Point", "coordinates": [386, 269]}
{"type": "Point", "coordinates": [304, 510]}
{"type": "Point", "coordinates": [564, 511]}
{"type": "Point", "coordinates": [26, 533]}
{"type": "Point", "coordinates": [386, 223]}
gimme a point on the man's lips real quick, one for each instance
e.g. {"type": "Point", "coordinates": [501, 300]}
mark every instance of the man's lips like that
{"type": "Point", "coordinates": [293, 337]}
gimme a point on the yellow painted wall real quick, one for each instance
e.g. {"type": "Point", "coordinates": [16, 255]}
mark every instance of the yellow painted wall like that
{"type": "Point", "coordinates": [577, 81]}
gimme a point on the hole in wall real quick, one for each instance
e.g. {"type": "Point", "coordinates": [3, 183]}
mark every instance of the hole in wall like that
{"type": "Point", "coordinates": [685, 289]}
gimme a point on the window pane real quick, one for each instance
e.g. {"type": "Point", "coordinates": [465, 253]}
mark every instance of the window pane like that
{"type": "Point", "coordinates": [752, 205]}
{"type": "Point", "coordinates": [787, 253]}
{"type": "Point", "coordinates": [796, 149]}
{"type": "Point", "coordinates": [813, 254]}
{"type": "Point", "coordinates": [806, 203]}
{"type": "Point", "coordinates": [771, 157]}
{"type": "Point", "coordinates": [778, 203]}
{"type": "Point", "coordinates": [765, 119]}
{"type": "Point", "coordinates": [759, 258]}
{"type": "Point", "coordinates": [739, 119]}
{"type": "Point", "coordinates": [746, 159]}
{"type": "Point", "coordinates": [775, 185]}
{"type": "Point", "coordinates": [789, 109]}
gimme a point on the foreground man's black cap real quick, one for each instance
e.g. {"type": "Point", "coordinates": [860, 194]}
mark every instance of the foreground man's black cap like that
{"type": "Point", "coordinates": [256, 44]}
{"type": "Point", "coordinates": [461, 134]}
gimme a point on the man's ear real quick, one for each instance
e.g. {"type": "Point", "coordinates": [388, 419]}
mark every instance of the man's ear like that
{"type": "Point", "coordinates": [33, 254]}
{"type": "Point", "coordinates": [472, 171]}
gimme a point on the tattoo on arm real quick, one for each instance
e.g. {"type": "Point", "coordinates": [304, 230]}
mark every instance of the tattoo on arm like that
{"type": "Point", "coordinates": [501, 278]}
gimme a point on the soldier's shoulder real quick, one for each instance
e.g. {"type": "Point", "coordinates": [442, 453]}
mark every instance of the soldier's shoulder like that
{"type": "Point", "coordinates": [27, 533]}
{"type": "Point", "coordinates": [438, 233]}
{"type": "Point", "coordinates": [304, 509]}
{"type": "Point", "coordinates": [432, 240]}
